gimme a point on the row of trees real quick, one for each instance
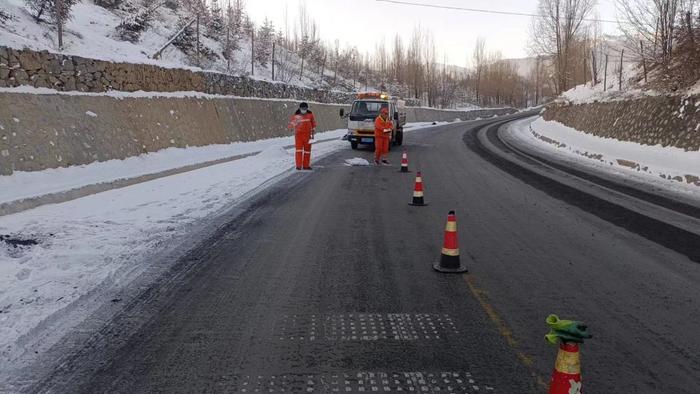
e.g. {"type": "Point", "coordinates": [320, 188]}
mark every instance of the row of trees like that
{"type": "Point", "coordinates": [567, 34]}
{"type": "Point", "coordinates": [565, 39]}
{"type": "Point", "coordinates": [295, 51]}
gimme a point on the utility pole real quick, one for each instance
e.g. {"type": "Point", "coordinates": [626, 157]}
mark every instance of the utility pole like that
{"type": "Point", "coordinates": [228, 48]}
{"type": "Point", "coordinates": [59, 22]}
{"type": "Point", "coordinates": [537, 81]}
{"type": "Point", "coordinates": [252, 51]}
{"type": "Point", "coordinates": [335, 73]}
{"type": "Point", "coordinates": [644, 61]}
{"type": "Point", "coordinates": [594, 69]}
{"type": "Point", "coordinates": [273, 60]}
{"type": "Point", "coordinates": [622, 57]}
{"type": "Point", "coordinates": [605, 78]}
{"type": "Point", "coordinates": [198, 40]}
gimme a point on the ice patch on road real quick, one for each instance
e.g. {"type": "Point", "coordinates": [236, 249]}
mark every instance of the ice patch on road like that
{"type": "Point", "coordinates": [357, 161]}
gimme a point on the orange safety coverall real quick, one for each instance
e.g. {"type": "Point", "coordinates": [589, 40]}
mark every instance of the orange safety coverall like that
{"type": "Point", "coordinates": [381, 138]}
{"type": "Point", "coordinates": [303, 125]}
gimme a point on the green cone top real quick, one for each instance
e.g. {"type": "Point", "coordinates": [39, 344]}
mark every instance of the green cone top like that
{"type": "Point", "coordinates": [566, 331]}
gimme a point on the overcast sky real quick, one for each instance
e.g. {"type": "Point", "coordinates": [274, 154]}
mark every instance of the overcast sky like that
{"type": "Point", "coordinates": [365, 22]}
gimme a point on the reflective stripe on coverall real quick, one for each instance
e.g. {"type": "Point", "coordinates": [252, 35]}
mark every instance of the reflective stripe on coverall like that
{"type": "Point", "coordinates": [381, 138]}
{"type": "Point", "coordinates": [303, 124]}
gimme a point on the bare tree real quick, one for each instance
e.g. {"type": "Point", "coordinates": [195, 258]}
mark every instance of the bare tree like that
{"type": "Point", "coordinates": [653, 22]}
{"type": "Point", "coordinates": [415, 63]}
{"type": "Point", "coordinates": [307, 40]}
{"type": "Point", "coordinates": [555, 29]}
{"type": "Point", "coordinates": [479, 62]}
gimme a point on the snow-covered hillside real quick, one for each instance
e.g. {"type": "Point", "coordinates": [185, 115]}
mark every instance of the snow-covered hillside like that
{"type": "Point", "coordinates": [91, 33]}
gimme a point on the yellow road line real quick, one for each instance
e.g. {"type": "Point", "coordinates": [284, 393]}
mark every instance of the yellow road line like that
{"type": "Point", "coordinates": [503, 329]}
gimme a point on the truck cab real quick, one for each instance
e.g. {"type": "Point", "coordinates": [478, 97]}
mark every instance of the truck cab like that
{"type": "Point", "coordinates": [365, 110]}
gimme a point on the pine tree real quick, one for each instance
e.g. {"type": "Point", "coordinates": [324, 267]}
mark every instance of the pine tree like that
{"type": "Point", "coordinates": [50, 8]}
{"type": "Point", "coordinates": [217, 26]}
{"type": "Point", "coordinates": [59, 12]}
{"type": "Point", "coordinates": [196, 7]}
{"type": "Point", "coordinates": [263, 43]}
{"type": "Point", "coordinates": [187, 43]}
{"type": "Point", "coordinates": [131, 28]}
{"type": "Point", "coordinates": [234, 30]}
{"type": "Point", "coordinates": [4, 16]}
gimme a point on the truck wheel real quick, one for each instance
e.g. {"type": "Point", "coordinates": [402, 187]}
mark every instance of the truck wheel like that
{"type": "Point", "coordinates": [399, 138]}
{"type": "Point", "coordinates": [353, 145]}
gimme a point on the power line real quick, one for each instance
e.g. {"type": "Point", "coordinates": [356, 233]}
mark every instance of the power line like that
{"type": "Point", "coordinates": [480, 10]}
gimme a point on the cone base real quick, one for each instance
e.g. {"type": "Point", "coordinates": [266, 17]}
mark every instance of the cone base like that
{"type": "Point", "coordinates": [459, 270]}
{"type": "Point", "coordinates": [418, 205]}
{"type": "Point", "coordinates": [405, 171]}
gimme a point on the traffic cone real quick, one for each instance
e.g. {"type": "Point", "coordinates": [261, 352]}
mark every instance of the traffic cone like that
{"type": "Point", "coordinates": [404, 162]}
{"type": "Point", "coordinates": [449, 258]}
{"type": "Point", "coordinates": [418, 192]}
{"type": "Point", "coordinates": [566, 377]}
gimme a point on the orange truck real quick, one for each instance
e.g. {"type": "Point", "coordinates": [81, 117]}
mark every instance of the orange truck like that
{"type": "Point", "coordinates": [365, 110]}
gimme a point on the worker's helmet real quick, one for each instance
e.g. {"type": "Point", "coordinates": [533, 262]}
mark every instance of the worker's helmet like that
{"type": "Point", "coordinates": [303, 106]}
{"type": "Point", "coordinates": [384, 110]}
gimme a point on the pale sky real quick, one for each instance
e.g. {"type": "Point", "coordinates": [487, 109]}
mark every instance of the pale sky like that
{"type": "Point", "coordinates": [363, 23]}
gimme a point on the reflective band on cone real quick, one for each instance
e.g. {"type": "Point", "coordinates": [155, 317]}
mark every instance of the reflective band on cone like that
{"type": "Point", "coordinates": [449, 257]}
{"type": "Point", "coordinates": [566, 377]}
{"type": "Point", "coordinates": [404, 162]}
{"type": "Point", "coordinates": [418, 192]}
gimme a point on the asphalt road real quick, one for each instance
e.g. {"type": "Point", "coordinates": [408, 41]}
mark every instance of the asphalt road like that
{"type": "Point", "coordinates": [324, 283]}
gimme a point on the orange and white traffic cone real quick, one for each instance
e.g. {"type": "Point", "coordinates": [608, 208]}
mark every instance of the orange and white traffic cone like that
{"type": "Point", "coordinates": [449, 258]}
{"type": "Point", "coordinates": [404, 162]}
{"type": "Point", "coordinates": [566, 378]}
{"type": "Point", "coordinates": [418, 192]}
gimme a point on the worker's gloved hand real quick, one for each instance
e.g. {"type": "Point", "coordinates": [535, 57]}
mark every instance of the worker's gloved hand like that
{"type": "Point", "coordinates": [566, 331]}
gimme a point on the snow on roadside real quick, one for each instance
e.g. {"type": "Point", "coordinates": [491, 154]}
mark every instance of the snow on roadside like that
{"type": "Point", "coordinates": [119, 94]}
{"type": "Point", "coordinates": [85, 242]}
{"type": "Point", "coordinates": [666, 167]}
{"type": "Point", "coordinates": [52, 255]}
{"type": "Point", "coordinates": [22, 185]}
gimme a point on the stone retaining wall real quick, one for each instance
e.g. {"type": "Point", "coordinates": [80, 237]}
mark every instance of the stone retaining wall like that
{"type": "Point", "coordinates": [654, 120]}
{"type": "Point", "coordinates": [74, 73]}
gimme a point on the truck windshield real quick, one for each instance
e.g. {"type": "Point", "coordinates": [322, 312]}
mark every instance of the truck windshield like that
{"type": "Point", "coordinates": [368, 107]}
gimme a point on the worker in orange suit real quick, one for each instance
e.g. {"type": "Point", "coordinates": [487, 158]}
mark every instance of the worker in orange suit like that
{"type": "Point", "coordinates": [304, 125]}
{"type": "Point", "coordinates": [382, 136]}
